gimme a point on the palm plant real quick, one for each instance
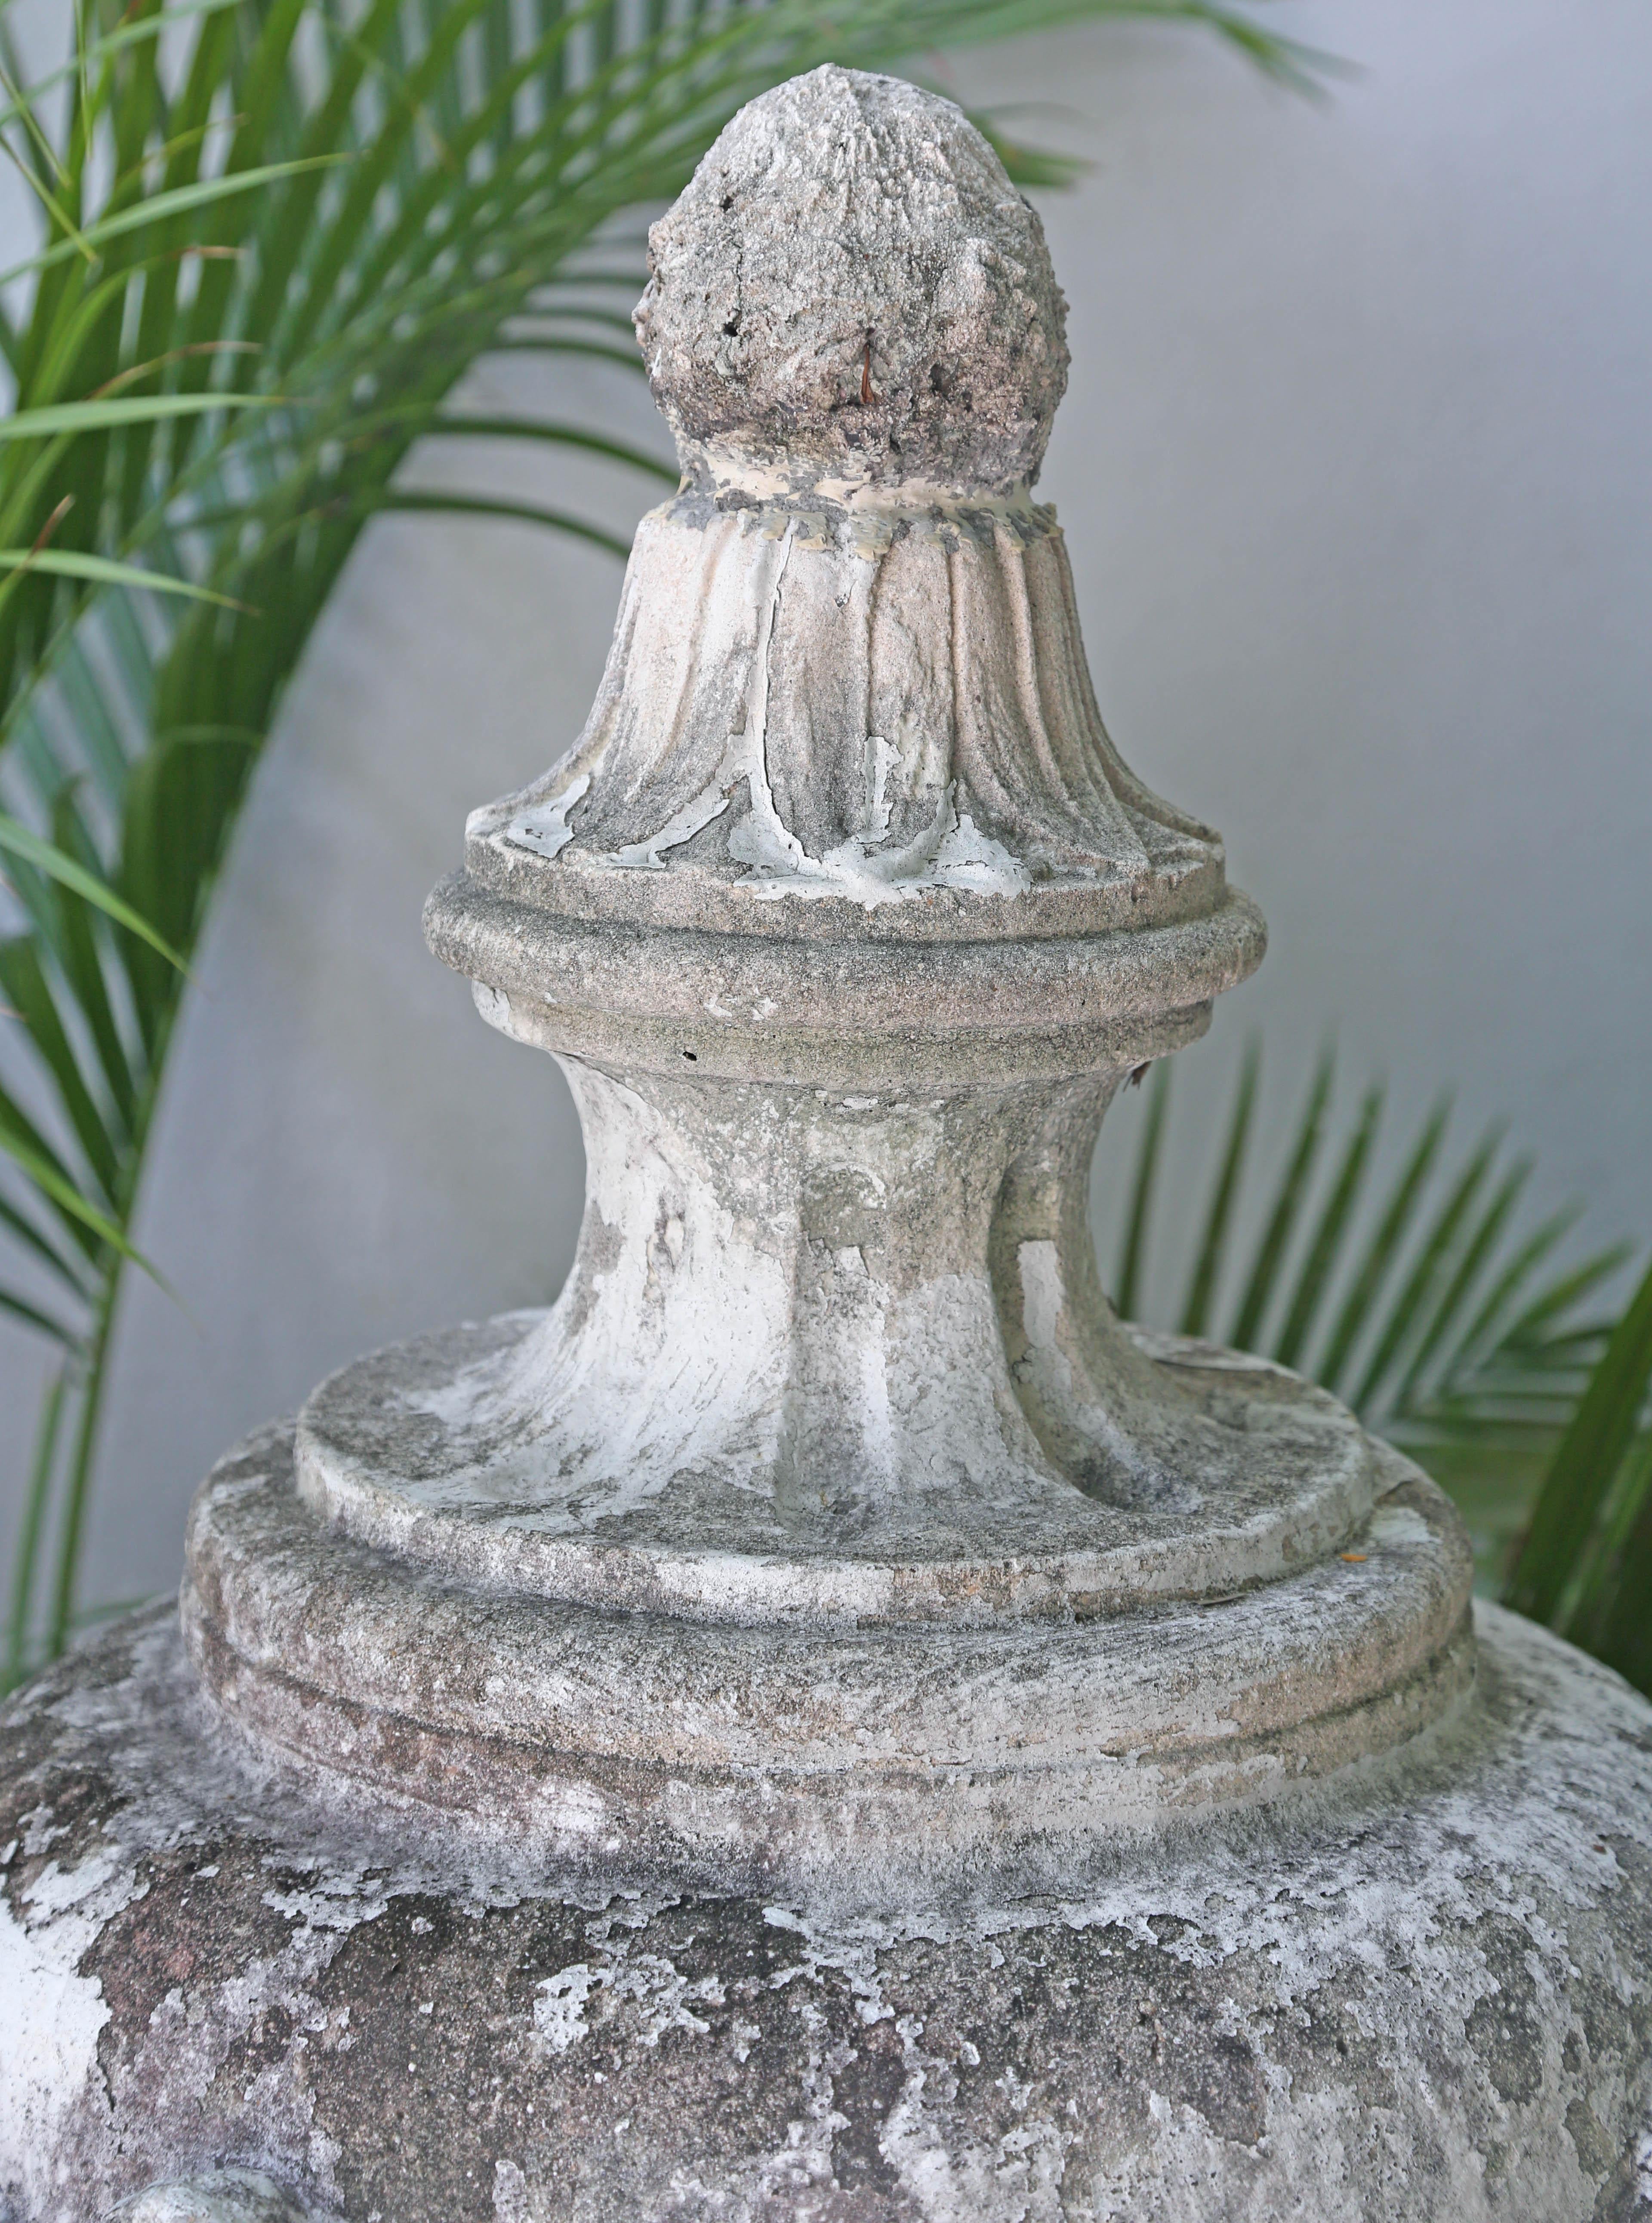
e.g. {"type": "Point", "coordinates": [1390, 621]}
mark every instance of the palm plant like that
{"type": "Point", "coordinates": [1585, 1561]}
{"type": "Point", "coordinates": [1445, 1325]}
{"type": "Point", "coordinates": [276, 234]}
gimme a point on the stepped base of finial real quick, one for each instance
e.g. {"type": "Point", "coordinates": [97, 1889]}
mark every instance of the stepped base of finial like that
{"type": "Point", "coordinates": [729, 1749]}
{"type": "Point", "coordinates": [507, 1454]}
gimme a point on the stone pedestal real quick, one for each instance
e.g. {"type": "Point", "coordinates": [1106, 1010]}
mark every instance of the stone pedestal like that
{"type": "Point", "coordinates": [827, 1722]}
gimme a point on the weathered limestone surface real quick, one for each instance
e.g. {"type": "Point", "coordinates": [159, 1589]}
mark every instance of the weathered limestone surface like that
{"type": "Point", "coordinates": [851, 290]}
{"type": "Point", "coordinates": [222, 2195]}
{"type": "Point", "coordinates": [849, 1757]}
{"type": "Point", "coordinates": [847, 696]}
{"type": "Point", "coordinates": [826, 1722]}
{"type": "Point", "coordinates": [1422, 1995]}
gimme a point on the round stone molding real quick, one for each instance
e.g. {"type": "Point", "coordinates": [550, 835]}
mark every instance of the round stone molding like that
{"type": "Point", "coordinates": [455, 1453]}
{"type": "Point", "coordinates": [832, 1755]}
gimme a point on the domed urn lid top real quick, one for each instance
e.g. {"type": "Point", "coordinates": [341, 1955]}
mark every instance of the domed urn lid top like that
{"type": "Point", "coordinates": [851, 290]}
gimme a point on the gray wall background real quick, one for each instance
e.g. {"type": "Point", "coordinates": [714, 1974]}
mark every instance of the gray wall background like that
{"type": "Point", "coordinates": [1356, 470]}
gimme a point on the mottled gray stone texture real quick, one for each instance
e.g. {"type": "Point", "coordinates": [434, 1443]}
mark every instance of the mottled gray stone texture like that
{"type": "Point", "coordinates": [222, 2195]}
{"type": "Point", "coordinates": [1423, 1995]}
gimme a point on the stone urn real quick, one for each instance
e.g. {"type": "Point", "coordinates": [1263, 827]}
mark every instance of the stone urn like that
{"type": "Point", "coordinates": [827, 1723]}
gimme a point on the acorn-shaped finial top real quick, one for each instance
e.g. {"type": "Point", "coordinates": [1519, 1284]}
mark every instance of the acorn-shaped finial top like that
{"type": "Point", "coordinates": [851, 296]}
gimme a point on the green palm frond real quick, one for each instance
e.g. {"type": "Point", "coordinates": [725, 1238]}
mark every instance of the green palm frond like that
{"type": "Point", "coordinates": [273, 237]}
{"type": "Point", "coordinates": [1449, 1329]}
{"type": "Point", "coordinates": [1585, 1560]}
{"type": "Point", "coordinates": [1609, 1616]}
{"type": "Point", "coordinates": [46, 857]}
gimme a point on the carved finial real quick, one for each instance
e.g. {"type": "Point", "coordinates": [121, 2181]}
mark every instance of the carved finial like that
{"type": "Point", "coordinates": [830, 1523]}
{"type": "Point", "coordinates": [851, 292]}
{"type": "Point", "coordinates": [847, 675]}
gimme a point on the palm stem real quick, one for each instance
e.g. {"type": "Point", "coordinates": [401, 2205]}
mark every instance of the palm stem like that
{"type": "Point", "coordinates": [1127, 1293]}
{"type": "Point", "coordinates": [1246, 1331]}
{"type": "Point", "coordinates": [78, 1480]}
{"type": "Point", "coordinates": [1201, 1289]}
{"type": "Point", "coordinates": [28, 1540]}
